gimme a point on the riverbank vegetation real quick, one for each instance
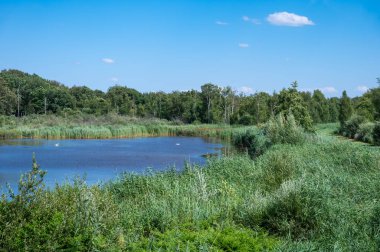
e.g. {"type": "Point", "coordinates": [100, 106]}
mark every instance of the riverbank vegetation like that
{"type": "Point", "coordinates": [302, 191]}
{"type": "Point", "coordinates": [293, 187]}
{"type": "Point", "coordinates": [360, 118]}
{"type": "Point", "coordinates": [31, 106]}
{"type": "Point", "coordinates": [104, 127]}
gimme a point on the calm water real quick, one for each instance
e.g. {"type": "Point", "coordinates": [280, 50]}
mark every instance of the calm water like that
{"type": "Point", "coordinates": [100, 160]}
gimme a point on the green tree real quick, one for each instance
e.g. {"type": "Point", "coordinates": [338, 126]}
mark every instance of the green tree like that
{"type": "Point", "coordinates": [345, 108]}
{"type": "Point", "coordinates": [8, 99]}
{"type": "Point", "coordinates": [211, 95]}
{"type": "Point", "coordinates": [320, 107]}
{"type": "Point", "coordinates": [121, 101]}
{"type": "Point", "coordinates": [375, 97]}
{"type": "Point", "coordinates": [333, 104]}
{"type": "Point", "coordinates": [290, 101]}
{"type": "Point", "coordinates": [365, 107]}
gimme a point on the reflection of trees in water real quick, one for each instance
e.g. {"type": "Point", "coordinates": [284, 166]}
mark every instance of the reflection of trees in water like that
{"type": "Point", "coordinates": [21, 142]}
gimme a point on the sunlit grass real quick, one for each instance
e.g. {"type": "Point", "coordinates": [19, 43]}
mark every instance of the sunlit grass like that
{"type": "Point", "coordinates": [320, 194]}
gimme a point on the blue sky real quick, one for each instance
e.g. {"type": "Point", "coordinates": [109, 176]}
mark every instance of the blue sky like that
{"type": "Point", "coordinates": [180, 45]}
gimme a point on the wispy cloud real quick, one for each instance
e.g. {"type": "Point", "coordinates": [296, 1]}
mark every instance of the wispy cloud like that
{"type": "Point", "coordinates": [251, 20]}
{"type": "Point", "coordinates": [288, 19]}
{"type": "Point", "coordinates": [255, 21]}
{"type": "Point", "coordinates": [221, 23]}
{"type": "Point", "coordinates": [108, 60]}
{"type": "Point", "coordinates": [246, 90]}
{"type": "Point", "coordinates": [362, 89]}
{"type": "Point", "coordinates": [306, 89]}
{"type": "Point", "coordinates": [328, 90]}
{"type": "Point", "coordinates": [243, 45]}
{"type": "Point", "coordinates": [114, 79]}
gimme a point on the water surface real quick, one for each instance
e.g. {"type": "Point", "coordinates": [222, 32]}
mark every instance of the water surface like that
{"type": "Point", "coordinates": [100, 160]}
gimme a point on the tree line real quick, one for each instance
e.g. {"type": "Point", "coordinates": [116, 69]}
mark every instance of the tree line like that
{"type": "Point", "coordinates": [23, 94]}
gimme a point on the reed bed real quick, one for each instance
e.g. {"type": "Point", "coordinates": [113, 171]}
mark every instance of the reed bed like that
{"type": "Point", "coordinates": [319, 195]}
{"type": "Point", "coordinates": [118, 131]}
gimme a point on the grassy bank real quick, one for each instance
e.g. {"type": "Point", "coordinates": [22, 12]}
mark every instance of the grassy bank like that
{"type": "Point", "coordinates": [110, 126]}
{"type": "Point", "coordinates": [319, 194]}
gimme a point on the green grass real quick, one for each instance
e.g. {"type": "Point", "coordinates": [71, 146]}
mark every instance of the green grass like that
{"type": "Point", "coordinates": [110, 126]}
{"type": "Point", "coordinates": [316, 195]}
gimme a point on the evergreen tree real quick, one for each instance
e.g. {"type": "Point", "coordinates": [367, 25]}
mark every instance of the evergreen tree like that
{"type": "Point", "coordinates": [290, 101]}
{"type": "Point", "coordinates": [375, 97]}
{"type": "Point", "coordinates": [345, 108]}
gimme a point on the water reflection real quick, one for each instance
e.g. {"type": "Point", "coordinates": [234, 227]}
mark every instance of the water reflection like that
{"type": "Point", "coordinates": [101, 160]}
{"type": "Point", "coordinates": [22, 142]}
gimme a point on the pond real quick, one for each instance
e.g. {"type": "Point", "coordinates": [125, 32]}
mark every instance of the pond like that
{"type": "Point", "coordinates": [100, 160]}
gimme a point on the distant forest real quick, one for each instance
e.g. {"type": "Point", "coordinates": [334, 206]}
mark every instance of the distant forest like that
{"type": "Point", "coordinates": [24, 94]}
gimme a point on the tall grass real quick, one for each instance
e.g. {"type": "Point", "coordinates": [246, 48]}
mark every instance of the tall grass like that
{"type": "Point", "coordinates": [51, 127]}
{"type": "Point", "coordinates": [319, 195]}
{"type": "Point", "coordinates": [296, 195]}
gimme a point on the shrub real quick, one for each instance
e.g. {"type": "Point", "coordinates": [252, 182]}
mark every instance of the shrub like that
{"type": "Point", "coordinates": [376, 134]}
{"type": "Point", "coordinates": [73, 217]}
{"type": "Point", "coordinates": [231, 238]}
{"type": "Point", "coordinates": [284, 129]}
{"type": "Point", "coordinates": [246, 119]}
{"type": "Point", "coordinates": [294, 211]}
{"type": "Point", "coordinates": [253, 141]}
{"type": "Point", "coordinates": [365, 132]}
{"type": "Point", "coordinates": [351, 126]}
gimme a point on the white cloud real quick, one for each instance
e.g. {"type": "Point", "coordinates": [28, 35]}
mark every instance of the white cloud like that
{"type": "Point", "coordinates": [114, 79]}
{"type": "Point", "coordinates": [252, 20]}
{"type": "Point", "coordinates": [328, 90]}
{"type": "Point", "coordinates": [246, 90]}
{"type": "Point", "coordinates": [362, 89]}
{"type": "Point", "coordinates": [246, 18]}
{"type": "Point", "coordinates": [221, 23]}
{"type": "Point", "coordinates": [108, 60]}
{"type": "Point", "coordinates": [243, 45]}
{"type": "Point", "coordinates": [288, 19]}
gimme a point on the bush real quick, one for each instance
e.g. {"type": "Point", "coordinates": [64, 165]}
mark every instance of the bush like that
{"type": "Point", "coordinates": [284, 129]}
{"type": "Point", "coordinates": [73, 217]}
{"type": "Point", "coordinates": [211, 239]}
{"type": "Point", "coordinates": [376, 134]}
{"type": "Point", "coordinates": [253, 141]}
{"type": "Point", "coordinates": [246, 119]}
{"type": "Point", "coordinates": [294, 211]}
{"type": "Point", "coordinates": [351, 126]}
{"type": "Point", "coordinates": [365, 132]}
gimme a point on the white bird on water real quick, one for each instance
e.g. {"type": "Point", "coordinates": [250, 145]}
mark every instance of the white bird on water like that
{"type": "Point", "coordinates": [177, 144]}
{"type": "Point", "coordinates": [56, 145]}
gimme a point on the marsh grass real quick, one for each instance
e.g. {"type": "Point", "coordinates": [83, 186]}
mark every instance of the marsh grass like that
{"type": "Point", "coordinates": [110, 126]}
{"type": "Point", "coordinates": [317, 195]}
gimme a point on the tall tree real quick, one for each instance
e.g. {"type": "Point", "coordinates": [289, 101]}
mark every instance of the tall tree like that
{"type": "Point", "coordinates": [8, 99]}
{"type": "Point", "coordinates": [320, 107]}
{"type": "Point", "coordinates": [211, 95]}
{"type": "Point", "coordinates": [375, 97]}
{"type": "Point", "coordinates": [345, 108]}
{"type": "Point", "coordinates": [365, 107]}
{"type": "Point", "coordinates": [291, 101]}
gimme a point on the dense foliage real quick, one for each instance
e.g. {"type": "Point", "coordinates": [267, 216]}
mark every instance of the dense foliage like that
{"type": "Point", "coordinates": [359, 117]}
{"type": "Point", "coordinates": [23, 94]}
